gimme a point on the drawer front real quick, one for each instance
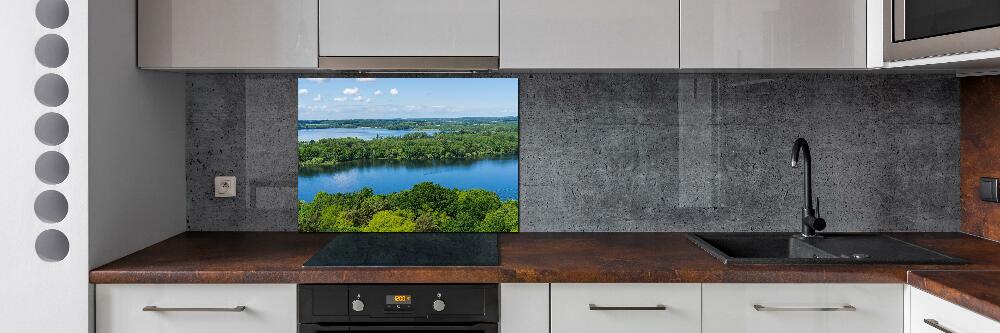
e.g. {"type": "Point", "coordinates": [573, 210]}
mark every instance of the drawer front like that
{"type": "Point", "coordinates": [571, 310]}
{"type": "Point", "coordinates": [730, 308]}
{"type": "Point", "coordinates": [269, 308]}
{"type": "Point", "coordinates": [946, 315]}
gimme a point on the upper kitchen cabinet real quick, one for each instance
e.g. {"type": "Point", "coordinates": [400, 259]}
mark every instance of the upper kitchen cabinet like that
{"type": "Point", "coordinates": [780, 34]}
{"type": "Point", "coordinates": [409, 34]}
{"type": "Point", "coordinates": [206, 34]}
{"type": "Point", "coordinates": [589, 34]}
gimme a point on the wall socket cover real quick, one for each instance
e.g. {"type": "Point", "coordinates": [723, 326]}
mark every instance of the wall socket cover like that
{"type": "Point", "coordinates": [225, 187]}
{"type": "Point", "coordinates": [988, 189]}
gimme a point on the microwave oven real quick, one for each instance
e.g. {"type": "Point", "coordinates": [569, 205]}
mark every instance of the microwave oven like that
{"type": "Point", "coordinates": [915, 29]}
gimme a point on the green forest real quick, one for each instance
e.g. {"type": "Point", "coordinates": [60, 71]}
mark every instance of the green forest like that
{"type": "Point", "coordinates": [425, 207]}
{"type": "Point", "coordinates": [457, 141]}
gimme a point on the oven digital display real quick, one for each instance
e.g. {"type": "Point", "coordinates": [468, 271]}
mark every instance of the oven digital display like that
{"type": "Point", "coordinates": [398, 299]}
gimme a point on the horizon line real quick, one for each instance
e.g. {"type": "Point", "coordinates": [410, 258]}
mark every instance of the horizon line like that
{"type": "Point", "coordinates": [411, 118]}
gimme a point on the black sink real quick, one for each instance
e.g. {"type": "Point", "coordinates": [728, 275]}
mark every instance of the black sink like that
{"type": "Point", "coordinates": [786, 248]}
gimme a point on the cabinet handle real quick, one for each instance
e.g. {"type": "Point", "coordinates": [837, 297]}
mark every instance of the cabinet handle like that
{"type": "Point", "coordinates": [935, 324]}
{"type": "Point", "coordinates": [848, 307]}
{"type": "Point", "coordinates": [594, 307]}
{"type": "Point", "coordinates": [154, 308]}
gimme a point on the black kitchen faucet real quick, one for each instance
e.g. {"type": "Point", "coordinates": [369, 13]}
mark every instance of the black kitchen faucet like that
{"type": "Point", "coordinates": [810, 221]}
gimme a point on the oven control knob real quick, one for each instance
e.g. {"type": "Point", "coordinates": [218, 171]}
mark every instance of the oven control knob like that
{"type": "Point", "coordinates": [438, 305]}
{"type": "Point", "coordinates": [358, 305]}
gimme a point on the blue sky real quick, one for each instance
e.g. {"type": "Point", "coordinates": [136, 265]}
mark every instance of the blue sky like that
{"type": "Point", "coordinates": [389, 98]}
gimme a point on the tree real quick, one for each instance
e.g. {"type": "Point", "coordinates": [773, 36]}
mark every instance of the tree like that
{"type": "Point", "coordinates": [503, 219]}
{"type": "Point", "coordinates": [391, 221]}
{"type": "Point", "coordinates": [431, 221]}
{"type": "Point", "coordinates": [367, 209]}
{"type": "Point", "coordinates": [332, 219]}
{"type": "Point", "coordinates": [424, 196]}
{"type": "Point", "coordinates": [471, 207]}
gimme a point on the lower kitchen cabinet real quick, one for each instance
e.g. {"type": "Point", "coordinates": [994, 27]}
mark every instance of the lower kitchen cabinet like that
{"type": "Point", "coordinates": [816, 308]}
{"type": "Point", "coordinates": [196, 308]}
{"type": "Point", "coordinates": [930, 314]}
{"type": "Point", "coordinates": [524, 308]}
{"type": "Point", "coordinates": [626, 307]}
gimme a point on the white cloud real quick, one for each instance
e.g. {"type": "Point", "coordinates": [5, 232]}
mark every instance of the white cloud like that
{"type": "Point", "coordinates": [365, 79]}
{"type": "Point", "coordinates": [351, 91]}
{"type": "Point", "coordinates": [412, 107]}
{"type": "Point", "coordinates": [339, 99]}
{"type": "Point", "coordinates": [437, 106]}
{"type": "Point", "coordinates": [358, 98]}
{"type": "Point", "coordinates": [393, 91]}
{"type": "Point", "coordinates": [369, 99]}
{"type": "Point", "coordinates": [317, 79]}
{"type": "Point", "coordinates": [315, 108]}
{"type": "Point", "coordinates": [378, 93]}
{"type": "Point", "coordinates": [317, 98]}
{"type": "Point", "coordinates": [303, 91]}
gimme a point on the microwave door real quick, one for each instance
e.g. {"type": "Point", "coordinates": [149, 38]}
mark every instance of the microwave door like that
{"type": "Point", "coordinates": [916, 19]}
{"type": "Point", "coordinates": [915, 29]}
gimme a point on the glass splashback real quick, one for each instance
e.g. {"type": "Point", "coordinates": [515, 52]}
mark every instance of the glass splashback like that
{"type": "Point", "coordinates": [408, 154]}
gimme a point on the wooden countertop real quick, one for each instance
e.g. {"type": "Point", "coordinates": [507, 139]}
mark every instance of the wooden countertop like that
{"type": "Point", "coordinates": [978, 291]}
{"type": "Point", "coordinates": [277, 257]}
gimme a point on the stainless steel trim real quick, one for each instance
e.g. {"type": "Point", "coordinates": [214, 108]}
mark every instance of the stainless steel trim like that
{"type": "Point", "coordinates": [898, 20]}
{"type": "Point", "coordinates": [848, 307]}
{"type": "Point", "coordinates": [410, 63]}
{"type": "Point", "coordinates": [958, 43]}
{"type": "Point", "coordinates": [935, 324]}
{"type": "Point", "coordinates": [658, 307]}
{"type": "Point", "coordinates": [154, 308]}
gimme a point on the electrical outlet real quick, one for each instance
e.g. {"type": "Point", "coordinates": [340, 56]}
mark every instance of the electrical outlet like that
{"type": "Point", "coordinates": [988, 189]}
{"type": "Point", "coordinates": [225, 187]}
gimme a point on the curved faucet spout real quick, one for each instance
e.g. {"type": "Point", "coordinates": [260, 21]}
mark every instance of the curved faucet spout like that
{"type": "Point", "coordinates": [807, 188]}
{"type": "Point", "coordinates": [810, 222]}
{"type": "Point", "coordinates": [800, 144]}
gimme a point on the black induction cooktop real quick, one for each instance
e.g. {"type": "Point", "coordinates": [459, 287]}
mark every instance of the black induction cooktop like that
{"type": "Point", "coordinates": [408, 249]}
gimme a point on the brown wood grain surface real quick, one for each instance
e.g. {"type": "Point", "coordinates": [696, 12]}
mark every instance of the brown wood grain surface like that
{"type": "Point", "coordinates": [978, 291]}
{"type": "Point", "coordinates": [980, 153]}
{"type": "Point", "coordinates": [277, 257]}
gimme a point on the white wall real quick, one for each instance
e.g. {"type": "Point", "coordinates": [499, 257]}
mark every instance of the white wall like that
{"type": "Point", "coordinates": [126, 136]}
{"type": "Point", "coordinates": [38, 295]}
{"type": "Point", "coordinates": [137, 186]}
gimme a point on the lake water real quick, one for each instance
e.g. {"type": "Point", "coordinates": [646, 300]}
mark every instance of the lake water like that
{"type": "Point", "coordinates": [389, 176]}
{"type": "Point", "coordinates": [364, 133]}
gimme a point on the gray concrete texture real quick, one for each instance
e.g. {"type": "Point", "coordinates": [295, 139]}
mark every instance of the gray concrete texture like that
{"type": "Point", "coordinates": [640, 152]}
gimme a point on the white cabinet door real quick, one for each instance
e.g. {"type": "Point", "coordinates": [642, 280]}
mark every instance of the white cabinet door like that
{"type": "Point", "coordinates": [269, 308]}
{"type": "Point", "coordinates": [625, 307]}
{"type": "Point", "coordinates": [773, 34]}
{"type": "Point", "coordinates": [524, 308]}
{"type": "Point", "coordinates": [927, 310]}
{"type": "Point", "coordinates": [409, 28]}
{"type": "Point", "coordinates": [589, 34]}
{"type": "Point", "coordinates": [227, 33]}
{"type": "Point", "coordinates": [777, 308]}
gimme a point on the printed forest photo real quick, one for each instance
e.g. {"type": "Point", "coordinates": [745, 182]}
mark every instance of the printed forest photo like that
{"type": "Point", "coordinates": [408, 154]}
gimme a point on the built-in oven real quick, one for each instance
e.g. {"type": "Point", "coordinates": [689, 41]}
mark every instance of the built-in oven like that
{"type": "Point", "coordinates": [928, 28]}
{"type": "Point", "coordinates": [386, 308]}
